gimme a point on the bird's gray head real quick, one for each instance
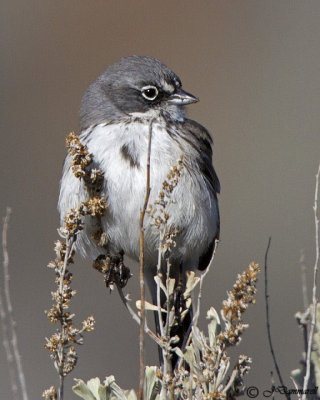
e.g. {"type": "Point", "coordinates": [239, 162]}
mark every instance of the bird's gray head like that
{"type": "Point", "coordinates": [134, 86]}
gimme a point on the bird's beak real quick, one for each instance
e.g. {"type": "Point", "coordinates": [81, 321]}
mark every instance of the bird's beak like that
{"type": "Point", "coordinates": [180, 97]}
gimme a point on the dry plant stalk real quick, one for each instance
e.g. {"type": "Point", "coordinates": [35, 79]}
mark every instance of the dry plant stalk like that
{"type": "Point", "coordinates": [142, 287]}
{"type": "Point", "coordinates": [166, 284]}
{"type": "Point", "coordinates": [62, 343]}
{"type": "Point", "coordinates": [10, 340]}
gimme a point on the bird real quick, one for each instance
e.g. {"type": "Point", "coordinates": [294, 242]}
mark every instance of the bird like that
{"type": "Point", "coordinates": [116, 113]}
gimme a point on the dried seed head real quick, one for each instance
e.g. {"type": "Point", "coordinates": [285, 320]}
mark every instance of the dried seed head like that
{"type": "Point", "coordinates": [50, 394]}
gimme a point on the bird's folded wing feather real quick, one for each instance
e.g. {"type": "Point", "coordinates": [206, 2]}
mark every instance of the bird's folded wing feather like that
{"type": "Point", "coordinates": [199, 138]}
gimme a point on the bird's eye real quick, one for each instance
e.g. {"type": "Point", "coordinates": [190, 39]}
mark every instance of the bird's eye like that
{"type": "Point", "coordinates": [149, 92]}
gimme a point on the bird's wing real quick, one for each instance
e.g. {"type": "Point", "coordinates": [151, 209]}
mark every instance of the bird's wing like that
{"type": "Point", "coordinates": [199, 138]}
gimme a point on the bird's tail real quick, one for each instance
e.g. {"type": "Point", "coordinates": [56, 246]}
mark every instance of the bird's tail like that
{"type": "Point", "coordinates": [182, 331]}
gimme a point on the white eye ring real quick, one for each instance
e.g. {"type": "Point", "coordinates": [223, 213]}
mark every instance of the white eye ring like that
{"type": "Point", "coordinates": [150, 92]}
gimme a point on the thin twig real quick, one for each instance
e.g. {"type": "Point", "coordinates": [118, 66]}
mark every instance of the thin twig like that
{"type": "Point", "coordinates": [142, 291]}
{"type": "Point", "coordinates": [4, 316]}
{"type": "Point", "coordinates": [14, 339]}
{"type": "Point", "coordinates": [203, 275]}
{"type": "Point", "coordinates": [166, 351]}
{"type": "Point", "coordinates": [305, 300]}
{"type": "Point", "coordinates": [6, 345]}
{"type": "Point", "coordinates": [69, 244]}
{"type": "Point", "coordinates": [133, 314]}
{"type": "Point", "coordinates": [160, 319]}
{"type": "Point", "coordinates": [231, 380]}
{"type": "Point", "coordinates": [273, 385]}
{"type": "Point", "coordinates": [61, 387]}
{"type": "Point", "coordinates": [268, 316]}
{"type": "Point", "coordinates": [314, 288]}
{"type": "Point", "coordinates": [169, 304]}
{"type": "Point", "coordinates": [296, 386]}
{"type": "Point", "coordinates": [136, 317]}
{"type": "Point", "coordinates": [304, 280]}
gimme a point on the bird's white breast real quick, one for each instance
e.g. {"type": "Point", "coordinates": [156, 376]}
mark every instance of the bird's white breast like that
{"type": "Point", "coordinates": [193, 208]}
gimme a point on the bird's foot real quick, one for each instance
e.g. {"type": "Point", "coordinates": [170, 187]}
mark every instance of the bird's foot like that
{"type": "Point", "coordinates": [113, 269]}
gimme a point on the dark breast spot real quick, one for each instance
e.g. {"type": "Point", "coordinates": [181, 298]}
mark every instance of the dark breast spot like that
{"type": "Point", "coordinates": [129, 156]}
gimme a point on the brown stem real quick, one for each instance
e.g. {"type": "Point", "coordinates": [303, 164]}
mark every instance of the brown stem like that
{"type": "Point", "coordinates": [142, 291]}
{"type": "Point", "coordinates": [70, 241]}
{"type": "Point", "coordinates": [266, 295]}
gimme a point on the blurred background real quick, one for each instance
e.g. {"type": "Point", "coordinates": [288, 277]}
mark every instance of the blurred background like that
{"type": "Point", "coordinates": [255, 67]}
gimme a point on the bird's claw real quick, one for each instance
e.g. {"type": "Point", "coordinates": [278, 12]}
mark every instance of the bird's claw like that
{"type": "Point", "coordinates": [114, 270]}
